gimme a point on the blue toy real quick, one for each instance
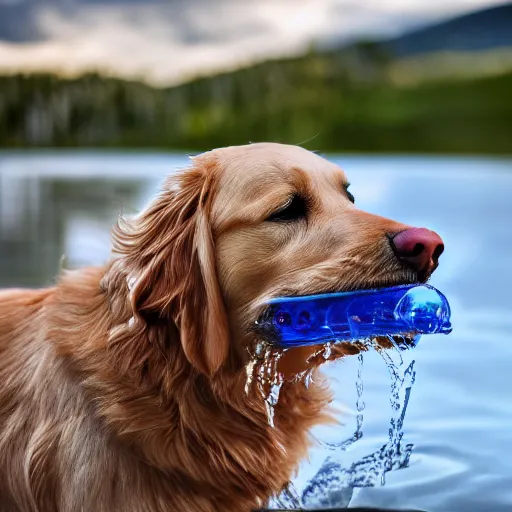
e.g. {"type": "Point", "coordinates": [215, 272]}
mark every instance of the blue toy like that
{"type": "Point", "coordinates": [409, 310]}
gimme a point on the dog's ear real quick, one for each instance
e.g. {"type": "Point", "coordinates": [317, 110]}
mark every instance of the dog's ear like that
{"type": "Point", "coordinates": [169, 253]}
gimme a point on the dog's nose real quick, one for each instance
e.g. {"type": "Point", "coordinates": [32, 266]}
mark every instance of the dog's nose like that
{"type": "Point", "coordinates": [418, 248]}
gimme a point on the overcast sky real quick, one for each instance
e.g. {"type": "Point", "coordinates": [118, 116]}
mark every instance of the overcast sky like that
{"type": "Point", "coordinates": [166, 41]}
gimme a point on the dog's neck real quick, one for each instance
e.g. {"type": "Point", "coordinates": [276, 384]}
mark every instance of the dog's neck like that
{"type": "Point", "coordinates": [174, 417]}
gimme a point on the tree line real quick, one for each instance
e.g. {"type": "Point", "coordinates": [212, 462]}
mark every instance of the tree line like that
{"type": "Point", "coordinates": [345, 100]}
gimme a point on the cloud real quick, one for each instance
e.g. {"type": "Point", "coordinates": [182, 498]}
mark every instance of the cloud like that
{"type": "Point", "coordinates": [167, 41]}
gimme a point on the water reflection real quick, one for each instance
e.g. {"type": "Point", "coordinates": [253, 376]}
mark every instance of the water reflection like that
{"type": "Point", "coordinates": [48, 221]}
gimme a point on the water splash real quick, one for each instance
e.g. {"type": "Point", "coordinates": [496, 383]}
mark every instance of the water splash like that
{"type": "Point", "coordinates": [289, 499]}
{"type": "Point", "coordinates": [263, 369]}
{"type": "Point", "coordinates": [271, 400]}
{"type": "Point", "coordinates": [269, 382]}
{"type": "Point", "coordinates": [308, 379]}
{"type": "Point", "coordinates": [249, 369]}
{"type": "Point", "coordinates": [333, 484]}
{"type": "Point", "coordinates": [360, 405]}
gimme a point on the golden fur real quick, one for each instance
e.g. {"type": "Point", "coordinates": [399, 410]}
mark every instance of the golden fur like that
{"type": "Point", "coordinates": [122, 388]}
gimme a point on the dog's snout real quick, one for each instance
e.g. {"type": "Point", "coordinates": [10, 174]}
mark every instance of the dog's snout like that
{"type": "Point", "coordinates": [418, 248]}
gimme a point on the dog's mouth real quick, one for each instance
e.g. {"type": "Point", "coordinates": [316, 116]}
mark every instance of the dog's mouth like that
{"type": "Point", "coordinates": [404, 279]}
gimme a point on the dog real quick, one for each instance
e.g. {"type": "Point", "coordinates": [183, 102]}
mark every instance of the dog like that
{"type": "Point", "coordinates": [125, 387]}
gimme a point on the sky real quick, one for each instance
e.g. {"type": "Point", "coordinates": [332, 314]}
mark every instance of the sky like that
{"type": "Point", "coordinates": [169, 41]}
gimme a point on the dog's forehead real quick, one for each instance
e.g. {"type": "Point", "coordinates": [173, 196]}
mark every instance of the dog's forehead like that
{"type": "Point", "coordinates": [252, 169]}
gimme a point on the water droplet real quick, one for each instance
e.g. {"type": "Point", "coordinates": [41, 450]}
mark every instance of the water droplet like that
{"type": "Point", "coordinates": [250, 374]}
{"type": "Point", "coordinates": [260, 349]}
{"type": "Point", "coordinates": [308, 378]}
{"type": "Point", "coordinates": [263, 368]}
{"type": "Point", "coordinates": [271, 401]}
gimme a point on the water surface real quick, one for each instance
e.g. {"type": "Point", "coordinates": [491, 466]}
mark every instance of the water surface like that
{"type": "Point", "coordinates": [57, 208]}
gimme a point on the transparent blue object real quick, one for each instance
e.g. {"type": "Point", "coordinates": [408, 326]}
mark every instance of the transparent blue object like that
{"type": "Point", "coordinates": [409, 310]}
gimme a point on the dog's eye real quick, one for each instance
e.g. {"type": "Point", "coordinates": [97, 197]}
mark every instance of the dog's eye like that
{"type": "Point", "coordinates": [350, 196]}
{"type": "Point", "coordinates": [294, 209]}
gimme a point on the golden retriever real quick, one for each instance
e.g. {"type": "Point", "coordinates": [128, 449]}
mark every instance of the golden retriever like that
{"type": "Point", "coordinates": [124, 388]}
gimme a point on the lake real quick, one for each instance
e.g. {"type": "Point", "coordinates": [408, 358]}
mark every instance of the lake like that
{"type": "Point", "coordinates": [455, 437]}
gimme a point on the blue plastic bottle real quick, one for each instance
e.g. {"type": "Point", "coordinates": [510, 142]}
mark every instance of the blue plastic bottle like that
{"type": "Point", "coordinates": [409, 310]}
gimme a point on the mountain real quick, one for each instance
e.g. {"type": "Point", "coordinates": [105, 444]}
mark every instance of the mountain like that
{"type": "Point", "coordinates": [481, 30]}
{"type": "Point", "coordinates": [169, 41]}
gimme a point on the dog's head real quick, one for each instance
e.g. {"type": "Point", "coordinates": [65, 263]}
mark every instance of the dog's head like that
{"type": "Point", "coordinates": [245, 224]}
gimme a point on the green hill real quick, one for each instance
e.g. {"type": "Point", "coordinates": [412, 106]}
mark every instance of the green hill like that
{"type": "Point", "coordinates": [344, 98]}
